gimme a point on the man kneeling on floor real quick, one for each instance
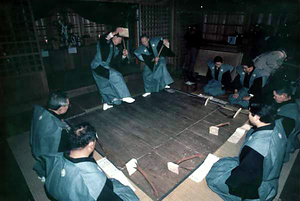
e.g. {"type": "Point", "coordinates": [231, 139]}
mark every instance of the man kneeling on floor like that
{"type": "Point", "coordinates": [253, 175]}
{"type": "Point", "coordinates": [76, 176]}
{"type": "Point", "coordinates": [219, 76]}
{"type": "Point", "coordinates": [247, 84]}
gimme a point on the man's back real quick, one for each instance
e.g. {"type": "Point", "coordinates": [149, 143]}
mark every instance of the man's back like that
{"type": "Point", "coordinates": [45, 132]}
{"type": "Point", "coordinates": [73, 181]}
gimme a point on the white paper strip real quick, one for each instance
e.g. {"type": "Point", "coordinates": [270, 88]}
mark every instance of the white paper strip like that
{"type": "Point", "coordinates": [246, 127]}
{"type": "Point", "coordinates": [131, 166]}
{"type": "Point", "coordinates": [237, 135]}
{"type": "Point", "coordinates": [112, 172]}
{"type": "Point", "coordinates": [173, 167]}
{"type": "Point", "coordinates": [204, 169]}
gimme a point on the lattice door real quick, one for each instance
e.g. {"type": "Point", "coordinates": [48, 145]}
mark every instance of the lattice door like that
{"type": "Point", "coordinates": [22, 75]}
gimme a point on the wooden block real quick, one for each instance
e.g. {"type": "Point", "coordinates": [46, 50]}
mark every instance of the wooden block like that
{"type": "Point", "coordinates": [214, 130]}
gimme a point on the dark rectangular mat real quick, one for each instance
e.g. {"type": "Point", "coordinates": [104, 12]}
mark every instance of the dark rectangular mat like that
{"type": "Point", "coordinates": [164, 127]}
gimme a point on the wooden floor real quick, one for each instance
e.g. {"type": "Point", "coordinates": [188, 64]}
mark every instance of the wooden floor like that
{"type": "Point", "coordinates": [157, 129]}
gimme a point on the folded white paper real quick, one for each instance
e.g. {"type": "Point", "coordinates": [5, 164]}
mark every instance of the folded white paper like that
{"type": "Point", "coordinates": [237, 135]}
{"type": "Point", "coordinates": [204, 169]}
{"type": "Point", "coordinates": [131, 166]}
{"type": "Point", "coordinates": [173, 167]}
{"type": "Point", "coordinates": [246, 127]}
{"type": "Point", "coordinates": [112, 172]}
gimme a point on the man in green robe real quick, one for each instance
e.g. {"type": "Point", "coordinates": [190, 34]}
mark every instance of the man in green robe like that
{"type": "Point", "coordinates": [153, 52]}
{"type": "Point", "coordinates": [75, 176]}
{"type": "Point", "coordinates": [49, 132]}
{"type": "Point", "coordinates": [110, 82]}
{"type": "Point", "coordinates": [253, 175]}
{"type": "Point", "coordinates": [289, 109]}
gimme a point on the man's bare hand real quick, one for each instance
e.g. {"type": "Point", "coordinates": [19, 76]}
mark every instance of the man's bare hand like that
{"type": "Point", "coordinates": [118, 30]}
{"type": "Point", "coordinates": [166, 43]}
{"type": "Point", "coordinates": [236, 94]}
{"type": "Point", "coordinates": [156, 60]}
{"type": "Point", "coordinates": [125, 53]}
{"type": "Point", "coordinates": [246, 98]}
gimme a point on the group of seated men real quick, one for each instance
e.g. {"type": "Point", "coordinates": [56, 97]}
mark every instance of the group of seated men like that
{"type": "Point", "coordinates": [64, 157]}
{"type": "Point", "coordinates": [254, 173]}
{"type": "Point", "coordinates": [250, 77]}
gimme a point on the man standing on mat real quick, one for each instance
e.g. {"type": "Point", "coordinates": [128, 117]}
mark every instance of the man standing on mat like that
{"type": "Point", "coordinates": [110, 82]}
{"type": "Point", "coordinates": [156, 76]}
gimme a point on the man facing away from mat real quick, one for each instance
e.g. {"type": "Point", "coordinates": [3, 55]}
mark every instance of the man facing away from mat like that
{"type": "Point", "coordinates": [218, 76]}
{"type": "Point", "coordinates": [110, 82]}
{"type": "Point", "coordinates": [153, 52]}
{"type": "Point", "coordinates": [49, 132]}
{"type": "Point", "coordinates": [247, 84]}
{"type": "Point", "coordinates": [253, 175]}
{"type": "Point", "coordinates": [76, 176]}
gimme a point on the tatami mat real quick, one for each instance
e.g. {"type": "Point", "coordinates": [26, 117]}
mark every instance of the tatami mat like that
{"type": "Point", "coordinates": [19, 145]}
{"type": "Point", "coordinates": [188, 190]}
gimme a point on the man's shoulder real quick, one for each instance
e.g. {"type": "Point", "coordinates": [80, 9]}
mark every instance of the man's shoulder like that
{"type": "Point", "coordinates": [41, 114]}
{"type": "Point", "coordinates": [140, 50]}
{"type": "Point", "coordinates": [227, 67]}
{"type": "Point", "coordinates": [90, 172]}
{"type": "Point", "coordinates": [210, 64]}
{"type": "Point", "coordinates": [37, 109]}
{"type": "Point", "coordinates": [258, 73]}
{"type": "Point", "coordinates": [156, 40]}
{"type": "Point", "coordinates": [45, 117]}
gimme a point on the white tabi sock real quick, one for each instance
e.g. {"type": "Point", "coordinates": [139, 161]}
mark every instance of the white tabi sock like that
{"type": "Point", "coordinates": [106, 106]}
{"type": "Point", "coordinates": [128, 100]}
{"type": "Point", "coordinates": [167, 87]}
{"type": "Point", "coordinates": [43, 179]}
{"type": "Point", "coordinates": [146, 94]}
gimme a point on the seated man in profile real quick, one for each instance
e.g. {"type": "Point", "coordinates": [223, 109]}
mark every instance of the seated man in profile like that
{"type": "Point", "coordinates": [254, 173]}
{"type": "Point", "coordinates": [49, 132]}
{"type": "Point", "coordinates": [219, 76]}
{"type": "Point", "coordinates": [247, 84]}
{"type": "Point", "coordinates": [289, 110]}
{"type": "Point", "coordinates": [76, 176]}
